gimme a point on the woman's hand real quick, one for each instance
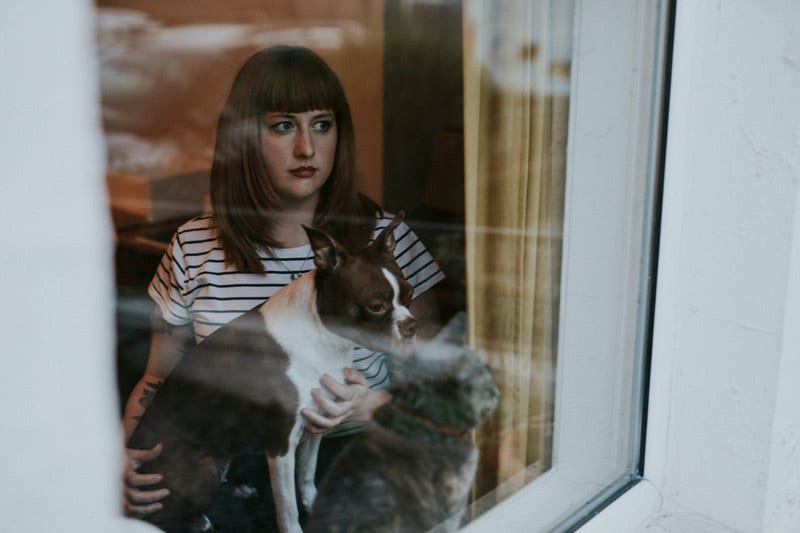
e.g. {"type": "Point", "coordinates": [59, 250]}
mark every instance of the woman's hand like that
{"type": "Point", "coordinates": [140, 502]}
{"type": "Point", "coordinates": [352, 400]}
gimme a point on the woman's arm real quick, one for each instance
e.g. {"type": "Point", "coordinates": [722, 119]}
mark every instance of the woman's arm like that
{"type": "Point", "coordinates": [167, 345]}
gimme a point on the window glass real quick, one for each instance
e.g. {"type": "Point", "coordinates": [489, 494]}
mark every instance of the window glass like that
{"type": "Point", "coordinates": [521, 140]}
{"type": "Point", "coordinates": [562, 107]}
{"type": "Point", "coordinates": [517, 88]}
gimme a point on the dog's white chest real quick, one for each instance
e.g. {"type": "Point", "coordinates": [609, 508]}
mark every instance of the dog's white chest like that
{"type": "Point", "coordinates": [305, 372]}
{"type": "Point", "coordinates": [311, 348]}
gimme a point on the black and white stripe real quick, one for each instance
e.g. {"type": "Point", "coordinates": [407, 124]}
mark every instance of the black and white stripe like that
{"type": "Point", "coordinates": [194, 285]}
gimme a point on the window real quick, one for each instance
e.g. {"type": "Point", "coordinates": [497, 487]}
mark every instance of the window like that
{"type": "Point", "coordinates": [562, 106]}
{"type": "Point", "coordinates": [721, 445]}
{"type": "Point", "coordinates": [528, 165]}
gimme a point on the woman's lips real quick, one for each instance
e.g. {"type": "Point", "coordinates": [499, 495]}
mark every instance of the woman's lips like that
{"type": "Point", "coordinates": [303, 172]}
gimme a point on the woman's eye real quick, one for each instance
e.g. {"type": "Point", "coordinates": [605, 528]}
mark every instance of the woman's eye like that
{"type": "Point", "coordinates": [282, 126]}
{"type": "Point", "coordinates": [323, 125]}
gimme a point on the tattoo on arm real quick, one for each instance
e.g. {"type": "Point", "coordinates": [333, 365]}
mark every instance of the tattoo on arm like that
{"type": "Point", "coordinates": [150, 389]}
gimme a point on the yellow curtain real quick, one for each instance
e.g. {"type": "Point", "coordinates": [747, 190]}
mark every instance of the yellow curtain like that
{"type": "Point", "coordinates": [516, 104]}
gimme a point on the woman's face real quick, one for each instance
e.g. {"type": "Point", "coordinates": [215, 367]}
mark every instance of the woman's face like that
{"type": "Point", "coordinates": [299, 150]}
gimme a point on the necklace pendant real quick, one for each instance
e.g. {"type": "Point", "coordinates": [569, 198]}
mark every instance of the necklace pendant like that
{"type": "Point", "coordinates": [294, 275]}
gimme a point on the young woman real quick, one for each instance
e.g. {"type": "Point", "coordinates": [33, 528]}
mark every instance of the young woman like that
{"type": "Point", "coordinates": [284, 156]}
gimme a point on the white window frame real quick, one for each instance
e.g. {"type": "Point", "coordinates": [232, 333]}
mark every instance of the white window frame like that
{"type": "Point", "coordinates": [722, 432]}
{"type": "Point", "coordinates": [612, 156]}
{"type": "Point", "coordinates": [723, 428]}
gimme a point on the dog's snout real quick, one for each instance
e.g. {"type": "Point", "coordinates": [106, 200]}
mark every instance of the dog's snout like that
{"type": "Point", "coordinates": [407, 327]}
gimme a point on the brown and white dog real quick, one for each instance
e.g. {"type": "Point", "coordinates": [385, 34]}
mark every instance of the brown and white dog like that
{"type": "Point", "coordinates": [242, 389]}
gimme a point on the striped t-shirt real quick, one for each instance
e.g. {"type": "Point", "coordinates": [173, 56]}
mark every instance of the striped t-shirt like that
{"type": "Point", "coordinates": [193, 285]}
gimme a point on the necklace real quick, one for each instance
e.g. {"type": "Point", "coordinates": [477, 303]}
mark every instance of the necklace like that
{"type": "Point", "coordinates": [293, 274]}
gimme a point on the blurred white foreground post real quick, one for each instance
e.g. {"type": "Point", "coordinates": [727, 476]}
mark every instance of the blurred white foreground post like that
{"type": "Point", "coordinates": [58, 410]}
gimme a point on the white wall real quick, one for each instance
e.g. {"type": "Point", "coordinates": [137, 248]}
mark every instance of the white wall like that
{"type": "Point", "coordinates": [723, 450]}
{"type": "Point", "coordinates": [58, 406]}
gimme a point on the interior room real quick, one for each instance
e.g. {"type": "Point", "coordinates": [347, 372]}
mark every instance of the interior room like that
{"type": "Point", "coordinates": [166, 68]}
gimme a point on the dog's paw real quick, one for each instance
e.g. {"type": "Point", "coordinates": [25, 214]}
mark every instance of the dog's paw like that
{"type": "Point", "coordinates": [202, 525]}
{"type": "Point", "coordinates": [308, 493]}
{"type": "Point", "coordinates": [245, 492]}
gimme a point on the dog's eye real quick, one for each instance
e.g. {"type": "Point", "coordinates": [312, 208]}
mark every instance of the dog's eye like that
{"type": "Point", "coordinates": [377, 308]}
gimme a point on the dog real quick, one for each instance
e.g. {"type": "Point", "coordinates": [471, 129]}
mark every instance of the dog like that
{"type": "Point", "coordinates": [242, 389]}
{"type": "Point", "coordinates": [414, 467]}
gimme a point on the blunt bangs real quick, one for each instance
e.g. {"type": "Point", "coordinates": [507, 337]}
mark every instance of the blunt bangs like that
{"type": "Point", "coordinates": [299, 81]}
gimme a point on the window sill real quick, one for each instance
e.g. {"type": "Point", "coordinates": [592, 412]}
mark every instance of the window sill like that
{"type": "Point", "coordinates": [644, 510]}
{"type": "Point", "coordinates": [631, 512]}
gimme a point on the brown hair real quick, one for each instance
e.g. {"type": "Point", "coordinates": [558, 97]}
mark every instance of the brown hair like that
{"type": "Point", "coordinates": [292, 80]}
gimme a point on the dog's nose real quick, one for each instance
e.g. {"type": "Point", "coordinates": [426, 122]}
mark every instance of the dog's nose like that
{"type": "Point", "coordinates": [407, 327]}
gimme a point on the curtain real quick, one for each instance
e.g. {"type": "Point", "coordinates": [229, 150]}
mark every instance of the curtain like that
{"type": "Point", "coordinates": [516, 80]}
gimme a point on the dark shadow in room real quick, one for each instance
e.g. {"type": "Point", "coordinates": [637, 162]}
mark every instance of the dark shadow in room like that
{"type": "Point", "coordinates": [423, 161]}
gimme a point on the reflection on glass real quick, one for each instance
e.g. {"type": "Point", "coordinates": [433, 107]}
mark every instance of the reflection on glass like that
{"type": "Point", "coordinates": [166, 68]}
{"type": "Point", "coordinates": [516, 108]}
{"type": "Point", "coordinates": [165, 72]}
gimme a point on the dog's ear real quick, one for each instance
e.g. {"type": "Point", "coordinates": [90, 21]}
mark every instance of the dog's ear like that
{"type": "Point", "coordinates": [329, 255]}
{"type": "Point", "coordinates": [385, 241]}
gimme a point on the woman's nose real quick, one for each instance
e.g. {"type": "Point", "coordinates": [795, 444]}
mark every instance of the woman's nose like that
{"type": "Point", "coordinates": [303, 145]}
